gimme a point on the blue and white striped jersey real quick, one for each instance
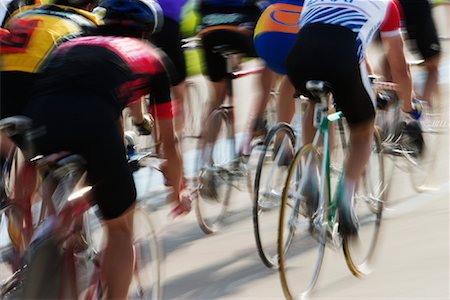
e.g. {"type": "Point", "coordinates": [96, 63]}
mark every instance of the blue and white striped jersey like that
{"type": "Point", "coordinates": [364, 17]}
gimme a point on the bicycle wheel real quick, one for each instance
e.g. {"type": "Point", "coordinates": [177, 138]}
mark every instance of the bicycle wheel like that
{"type": "Point", "coordinates": [147, 280]}
{"type": "Point", "coordinates": [369, 199]}
{"type": "Point", "coordinates": [217, 156]}
{"type": "Point", "coordinates": [274, 159]}
{"type": "Point", "coordinates": [302, 228]}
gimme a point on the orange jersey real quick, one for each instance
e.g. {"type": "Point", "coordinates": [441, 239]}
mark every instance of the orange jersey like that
{"type": "Point", "coordinates": [36, 30]}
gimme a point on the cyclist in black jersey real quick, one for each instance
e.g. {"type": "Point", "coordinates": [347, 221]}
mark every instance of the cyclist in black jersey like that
{"type": "Point", "coordinates": [422, 33]}
{"type": "Point", "coordinates": [238, 19]}
{"type": "Point", "coordinates": [76, 106]}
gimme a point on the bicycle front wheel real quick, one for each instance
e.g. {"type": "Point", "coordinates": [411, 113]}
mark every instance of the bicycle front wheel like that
{"type": "Point", "coordinates": [274, 159]}
{"type": "Point", "coordinates": [302, 228]}
{"type": "Point", "coordinates": [217, 156]}
{"type": "Point", "coordinates": [147, 274]}
{"type": "Point", "coordinates": [369, 199]}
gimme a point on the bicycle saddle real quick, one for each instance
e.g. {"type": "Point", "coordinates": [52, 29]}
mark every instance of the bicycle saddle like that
{"type": "Point", "coordinates": [318, 88]}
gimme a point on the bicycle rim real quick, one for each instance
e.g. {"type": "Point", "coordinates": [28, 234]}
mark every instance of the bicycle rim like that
{"type": "Point", "coordinates": [146, 282]}
{"type": "Point", "coordinates": [270, 175]}
{"type": "Point", "coordinates": [369, 199]}
{"type": "Point", "coordinates": [301, 231]}
{"type": "Point", "coordinates": [217, 155]}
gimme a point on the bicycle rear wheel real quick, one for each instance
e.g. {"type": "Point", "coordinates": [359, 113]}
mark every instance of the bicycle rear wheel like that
{"type": "Point", "coordinates": [147, 276]}
{"type": "Point", "coordinates": [369, 199]}
{"type": "Point", "coordinates": [274, 159]}
{"type": "Point", "coordinates": [302, 228]}
{"type": "Point", "coordinates": [218, 155]}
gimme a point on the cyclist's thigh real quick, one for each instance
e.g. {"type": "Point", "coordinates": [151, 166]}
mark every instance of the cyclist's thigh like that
{"type": "Point", "coordinates": [421, 28]}
{"type": "Point", "coordinates": [330, 53]}
{"type": "Point", "coordinates": [15, 88]}
{"type": "Point", "coordinates": [215, 62]}
{"type": "Point", "coordinates": [88, 126]}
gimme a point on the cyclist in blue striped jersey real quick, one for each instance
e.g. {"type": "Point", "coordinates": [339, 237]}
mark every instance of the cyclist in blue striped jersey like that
{"type": "Point", "coordinates": [330, 46]}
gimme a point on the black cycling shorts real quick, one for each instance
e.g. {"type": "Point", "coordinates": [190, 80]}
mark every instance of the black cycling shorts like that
{"type": "Point", "coordinates": [421, 28]}
{"type": "Point", "coordinates": [216, 65]}
{"type": "Point", "coordinates": [15, 91]}
{"type": "Point", "coordinates": [169, 41]}
{"type": "Point", "coordinates": [88, 125]}
{"type": "Point", "coordinates": [329, 53]}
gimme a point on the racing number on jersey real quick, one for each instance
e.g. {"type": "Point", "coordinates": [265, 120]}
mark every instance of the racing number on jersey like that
{"type": "Point", "coordinates": [20, 32]}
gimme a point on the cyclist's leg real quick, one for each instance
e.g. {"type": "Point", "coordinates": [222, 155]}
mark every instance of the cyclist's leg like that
{"type": "Point", "coordinates": [422, 32]}
{"type": "Point", "coordinates": [359, 152]}
{"type": "Point", "coordinates": [118, 255]}
{"type": "Point", "coordinates": [431, 83]}
{"type": "Point", "coordinates": [169, 40]}
{"type": "Point", "coordinates": [216, 68]}
{"type": "Point", "coordinates": [265, 84]}
{"type": "Point", "coordinates": [286, 103]}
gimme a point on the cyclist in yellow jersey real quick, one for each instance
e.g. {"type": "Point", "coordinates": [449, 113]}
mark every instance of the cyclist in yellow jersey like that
{"type": "Point", "coordinates": [34, 32]}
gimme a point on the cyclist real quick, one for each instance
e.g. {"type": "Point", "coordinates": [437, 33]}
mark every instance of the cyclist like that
{"type": "Point", "coordinates": [278, 25]}
{"type": "Point", "coordinates": [76, 106]}
{"type": "Point", "coordinates": [169, 40]}
{"type": "Point", "coordinates": [331, 46]}
{"type": "Point", "coordinates": [422, 32]}
{"type": "Point", "coordinates": [239, 17]}
{"type": "Point", "coordinates": [33, 31]}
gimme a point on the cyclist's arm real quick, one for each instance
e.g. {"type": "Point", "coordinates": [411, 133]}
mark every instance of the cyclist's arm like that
{"type": "Point", "coordinates": [399, 69]}
{"type": "Point", "coordinates": [136, 111]}
{"type": "Point", "coordinates": [393, 45]}
{"type": "Point", "coordinates": [161, 109]}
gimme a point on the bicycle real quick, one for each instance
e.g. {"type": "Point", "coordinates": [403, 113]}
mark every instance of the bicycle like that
{"type": "Point", "coordinates": [276, 153]}
{"type": "Point", "coordinates": [22, 209]}
{"type": "Point", "coordinates": [306, 227]}
{"type": "Point", "coordinates": [409, 145]}
{"type": "Point", "coordinates": [220, 166]}
{"type": "Point", "coordinates": [65, 244]}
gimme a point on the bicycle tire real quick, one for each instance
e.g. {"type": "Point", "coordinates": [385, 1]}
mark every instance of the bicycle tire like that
{"type": "Point", "coordinates": [314, 225]}
{"type": "Point", "coordinates": [213, 175]}
{"type": "Point", "coordinates": [369, 201]}
{"type": "Point", "coordinates": [269, 258]}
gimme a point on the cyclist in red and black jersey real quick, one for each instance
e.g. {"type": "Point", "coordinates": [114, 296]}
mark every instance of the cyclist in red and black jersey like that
{"type": "Point", "coordinates": [77, 103]}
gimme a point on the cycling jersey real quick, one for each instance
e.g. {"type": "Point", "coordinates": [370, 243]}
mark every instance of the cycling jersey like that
{"type": "Point", "coordinates": [37, 30]}
{"type": "Point", "coordinates": [8, 7]}
{"type": "Point", "coordinates": [278, 25]}
{"type": "Point", "coordinates": [77, 103]}
{"type": "Point", "coordinates": [172, 9]}
{"type": "Point", "coordinates": [122, 69]}
{"type": "Point", "coordinates": [361, 16]}
{"type": "Point", "coordinates": [237, 13]}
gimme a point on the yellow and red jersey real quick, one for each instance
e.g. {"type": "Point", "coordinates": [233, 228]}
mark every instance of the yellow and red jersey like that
{"type": "Point", "coordinates": [36, 30]}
